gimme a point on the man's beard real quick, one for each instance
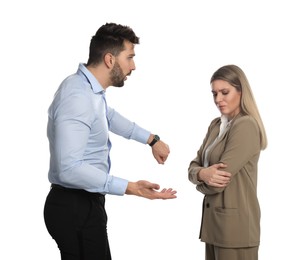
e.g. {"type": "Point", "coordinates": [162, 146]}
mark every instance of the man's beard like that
{"type": "Point", "coordinates": [117, 76]}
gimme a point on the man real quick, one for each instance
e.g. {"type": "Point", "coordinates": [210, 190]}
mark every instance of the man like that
{"type": "Point", "coordinates": [78, 125]}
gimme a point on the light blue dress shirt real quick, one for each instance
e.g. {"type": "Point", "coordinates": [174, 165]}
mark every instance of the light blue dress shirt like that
{"type": "Point", "coordinates": [78, 131]}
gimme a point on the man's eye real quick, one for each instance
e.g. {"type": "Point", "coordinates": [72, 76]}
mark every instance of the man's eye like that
{"type": "Point", "coordinates": [225, 93]}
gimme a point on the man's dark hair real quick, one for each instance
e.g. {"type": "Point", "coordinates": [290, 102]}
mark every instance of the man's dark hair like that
{"type": "Point", "coordinates": [109, 38]}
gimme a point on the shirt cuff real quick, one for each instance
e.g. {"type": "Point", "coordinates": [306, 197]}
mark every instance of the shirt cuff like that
{"type": "Point", "coordinates": [140, 134]}
{"type": "Point", "coordinates": [117, 186]}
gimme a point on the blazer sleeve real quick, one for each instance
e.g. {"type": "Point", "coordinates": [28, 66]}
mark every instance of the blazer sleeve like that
{"type": "Point", "coordinates": [195, 166]}
{"type": "Point", "coordinates": [197, 163]}
{"type": "Point", "coordinates": [242, 144]}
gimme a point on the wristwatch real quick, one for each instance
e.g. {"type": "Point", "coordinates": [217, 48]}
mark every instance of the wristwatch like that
{"type": "Point", "coordinates": [154, 140]}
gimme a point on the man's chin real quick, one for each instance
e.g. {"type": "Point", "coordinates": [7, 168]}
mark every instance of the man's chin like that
{"type": "Point", "coordinates": [119, 85]}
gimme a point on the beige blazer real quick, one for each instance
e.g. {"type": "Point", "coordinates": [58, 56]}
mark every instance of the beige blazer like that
{"type": "Point", "coordinates": [231, 215]}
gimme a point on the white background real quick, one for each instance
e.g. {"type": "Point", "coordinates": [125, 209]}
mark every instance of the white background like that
{"type": "Point", "coordinates": [182, 44]}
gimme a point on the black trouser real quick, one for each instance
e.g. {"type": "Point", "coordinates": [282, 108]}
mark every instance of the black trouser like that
{"type": "Point", "coordinates": [77, 221]}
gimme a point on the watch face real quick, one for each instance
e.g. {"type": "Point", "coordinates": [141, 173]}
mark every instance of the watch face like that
{"type": "Point", "coordinates": [157, 137]}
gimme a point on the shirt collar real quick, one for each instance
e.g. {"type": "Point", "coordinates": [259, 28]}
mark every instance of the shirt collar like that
{"type": "Point", "coordinates": [97, 88]}
{"type": "Point", "coordinates": [224, 119]}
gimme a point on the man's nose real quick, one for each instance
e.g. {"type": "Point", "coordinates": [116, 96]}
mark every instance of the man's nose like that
{"type": "Point", "coordinates": [133, 66]}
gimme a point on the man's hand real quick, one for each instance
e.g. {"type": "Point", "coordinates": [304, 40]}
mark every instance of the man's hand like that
{"type": "Point", "coordinates": [160, 150]}
{"type": "Point", "coordinates": [215, 176]}
{"type": "Point", "coordinates": [149, 190]}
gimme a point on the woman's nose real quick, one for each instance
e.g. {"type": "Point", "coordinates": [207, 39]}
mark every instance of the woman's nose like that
{"type": "Point", "coordinates": [218, 98]}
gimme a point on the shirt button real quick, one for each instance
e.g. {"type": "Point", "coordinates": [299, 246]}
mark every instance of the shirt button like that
{"type": "Point", "coordinates": [208, 205]}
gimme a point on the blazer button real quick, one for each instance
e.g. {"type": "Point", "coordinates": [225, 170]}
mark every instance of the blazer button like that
{"type": "Point", "coordinates": [208, 205]}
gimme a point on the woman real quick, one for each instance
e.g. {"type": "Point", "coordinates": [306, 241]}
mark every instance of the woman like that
{"type": "Point", "coordinates": [230, 224]}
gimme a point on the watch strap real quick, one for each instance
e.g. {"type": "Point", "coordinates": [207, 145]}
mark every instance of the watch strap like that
{"type": "Point", "coordinates": [154, 140]}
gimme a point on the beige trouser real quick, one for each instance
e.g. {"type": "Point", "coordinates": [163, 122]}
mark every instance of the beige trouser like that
{"type": "Point", "coordinates": [221, 253]}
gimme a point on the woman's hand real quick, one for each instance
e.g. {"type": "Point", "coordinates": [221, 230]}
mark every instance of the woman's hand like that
{"type": "Point", "coordinates": [215, 176]}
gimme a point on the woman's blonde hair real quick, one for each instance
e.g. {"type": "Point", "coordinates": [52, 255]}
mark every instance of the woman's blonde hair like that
{"type": "Point", "coordinates": [237, 78]}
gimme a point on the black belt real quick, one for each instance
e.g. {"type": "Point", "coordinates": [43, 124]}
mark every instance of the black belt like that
{"type": "Point", "coordinates": [59, 187]}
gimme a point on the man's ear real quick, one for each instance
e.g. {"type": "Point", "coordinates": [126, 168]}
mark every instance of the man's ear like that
{"type": "Point", "coordinates": [109, 60]}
